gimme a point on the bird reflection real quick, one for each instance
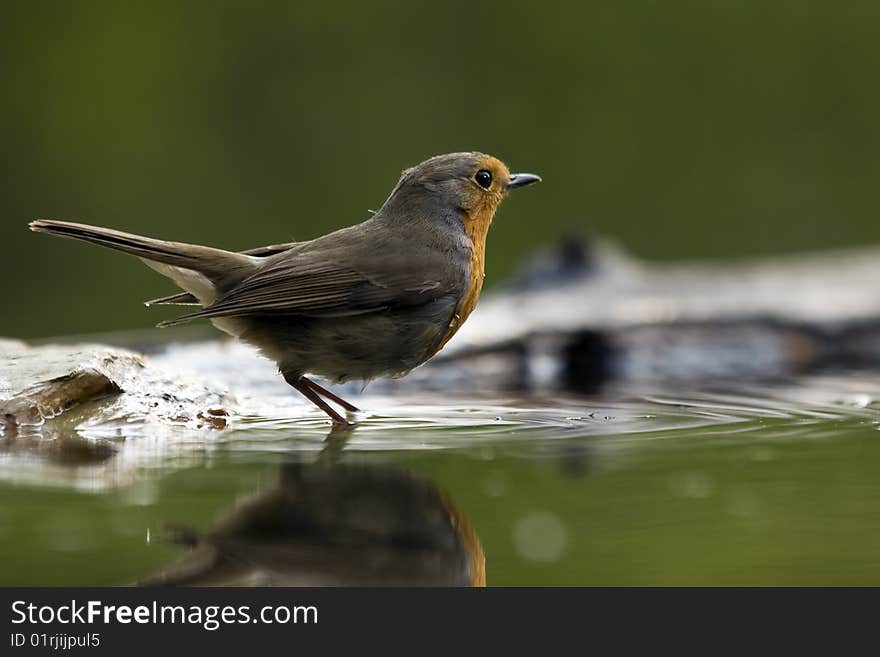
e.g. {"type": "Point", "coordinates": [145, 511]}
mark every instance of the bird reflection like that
{"type": "Point", "coordinates": [332, 524]}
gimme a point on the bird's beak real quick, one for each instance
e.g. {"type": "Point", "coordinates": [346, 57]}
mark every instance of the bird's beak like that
{"type": "Point", "coordinates": [522, 179]}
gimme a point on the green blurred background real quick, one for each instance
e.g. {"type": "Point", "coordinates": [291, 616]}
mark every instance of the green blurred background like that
{"type": "Point", "coordinates": [682, 129]}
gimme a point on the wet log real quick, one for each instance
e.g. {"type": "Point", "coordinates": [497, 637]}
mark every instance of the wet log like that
{"type": "Point", "coordinates": [84, 384]}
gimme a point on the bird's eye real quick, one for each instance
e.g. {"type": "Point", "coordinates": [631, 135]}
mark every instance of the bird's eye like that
{"type": "Point", "coordinates": [483, 178]}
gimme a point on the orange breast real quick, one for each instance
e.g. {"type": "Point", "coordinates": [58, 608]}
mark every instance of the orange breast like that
{"type": "Point", "coordinates": [476, 227]}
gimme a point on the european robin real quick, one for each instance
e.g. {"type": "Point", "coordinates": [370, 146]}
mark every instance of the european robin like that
{"type": "Point", "coordinates": [374, 299]}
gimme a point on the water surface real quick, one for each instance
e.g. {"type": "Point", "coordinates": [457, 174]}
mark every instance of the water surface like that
{"type": "Point", "coordinates": [767, 484]}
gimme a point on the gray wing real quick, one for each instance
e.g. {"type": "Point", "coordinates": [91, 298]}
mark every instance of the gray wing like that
{"type": "Point", "coordinates": [186, 299]}
{"type": "Point", "coordinates": [339, 282]}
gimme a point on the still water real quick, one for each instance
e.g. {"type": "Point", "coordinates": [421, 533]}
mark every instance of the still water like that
{"type": "Point", "coordinates": [765, 484]}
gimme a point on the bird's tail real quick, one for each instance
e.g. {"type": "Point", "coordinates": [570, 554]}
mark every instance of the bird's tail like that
{"type": "Point", "coordinates": [220, 269]}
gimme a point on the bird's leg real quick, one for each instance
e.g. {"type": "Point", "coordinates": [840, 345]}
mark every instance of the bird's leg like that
{"type": "Point", "coordinates": [299, 384]}
{"type": "Point", "coordinates": [313, 397]}
{"type": "Point", "coordinates": [329, 395]}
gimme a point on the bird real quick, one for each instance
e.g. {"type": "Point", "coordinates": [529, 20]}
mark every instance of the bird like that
{"type": "Point", "coordinates": [375, 299]}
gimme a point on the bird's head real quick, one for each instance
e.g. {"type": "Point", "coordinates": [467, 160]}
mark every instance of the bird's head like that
{"type": "Point", "coordinates": [470, 186]}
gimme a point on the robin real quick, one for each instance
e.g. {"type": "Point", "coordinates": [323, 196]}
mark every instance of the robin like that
{"type": "Point", "coordinates": [374, 299]}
